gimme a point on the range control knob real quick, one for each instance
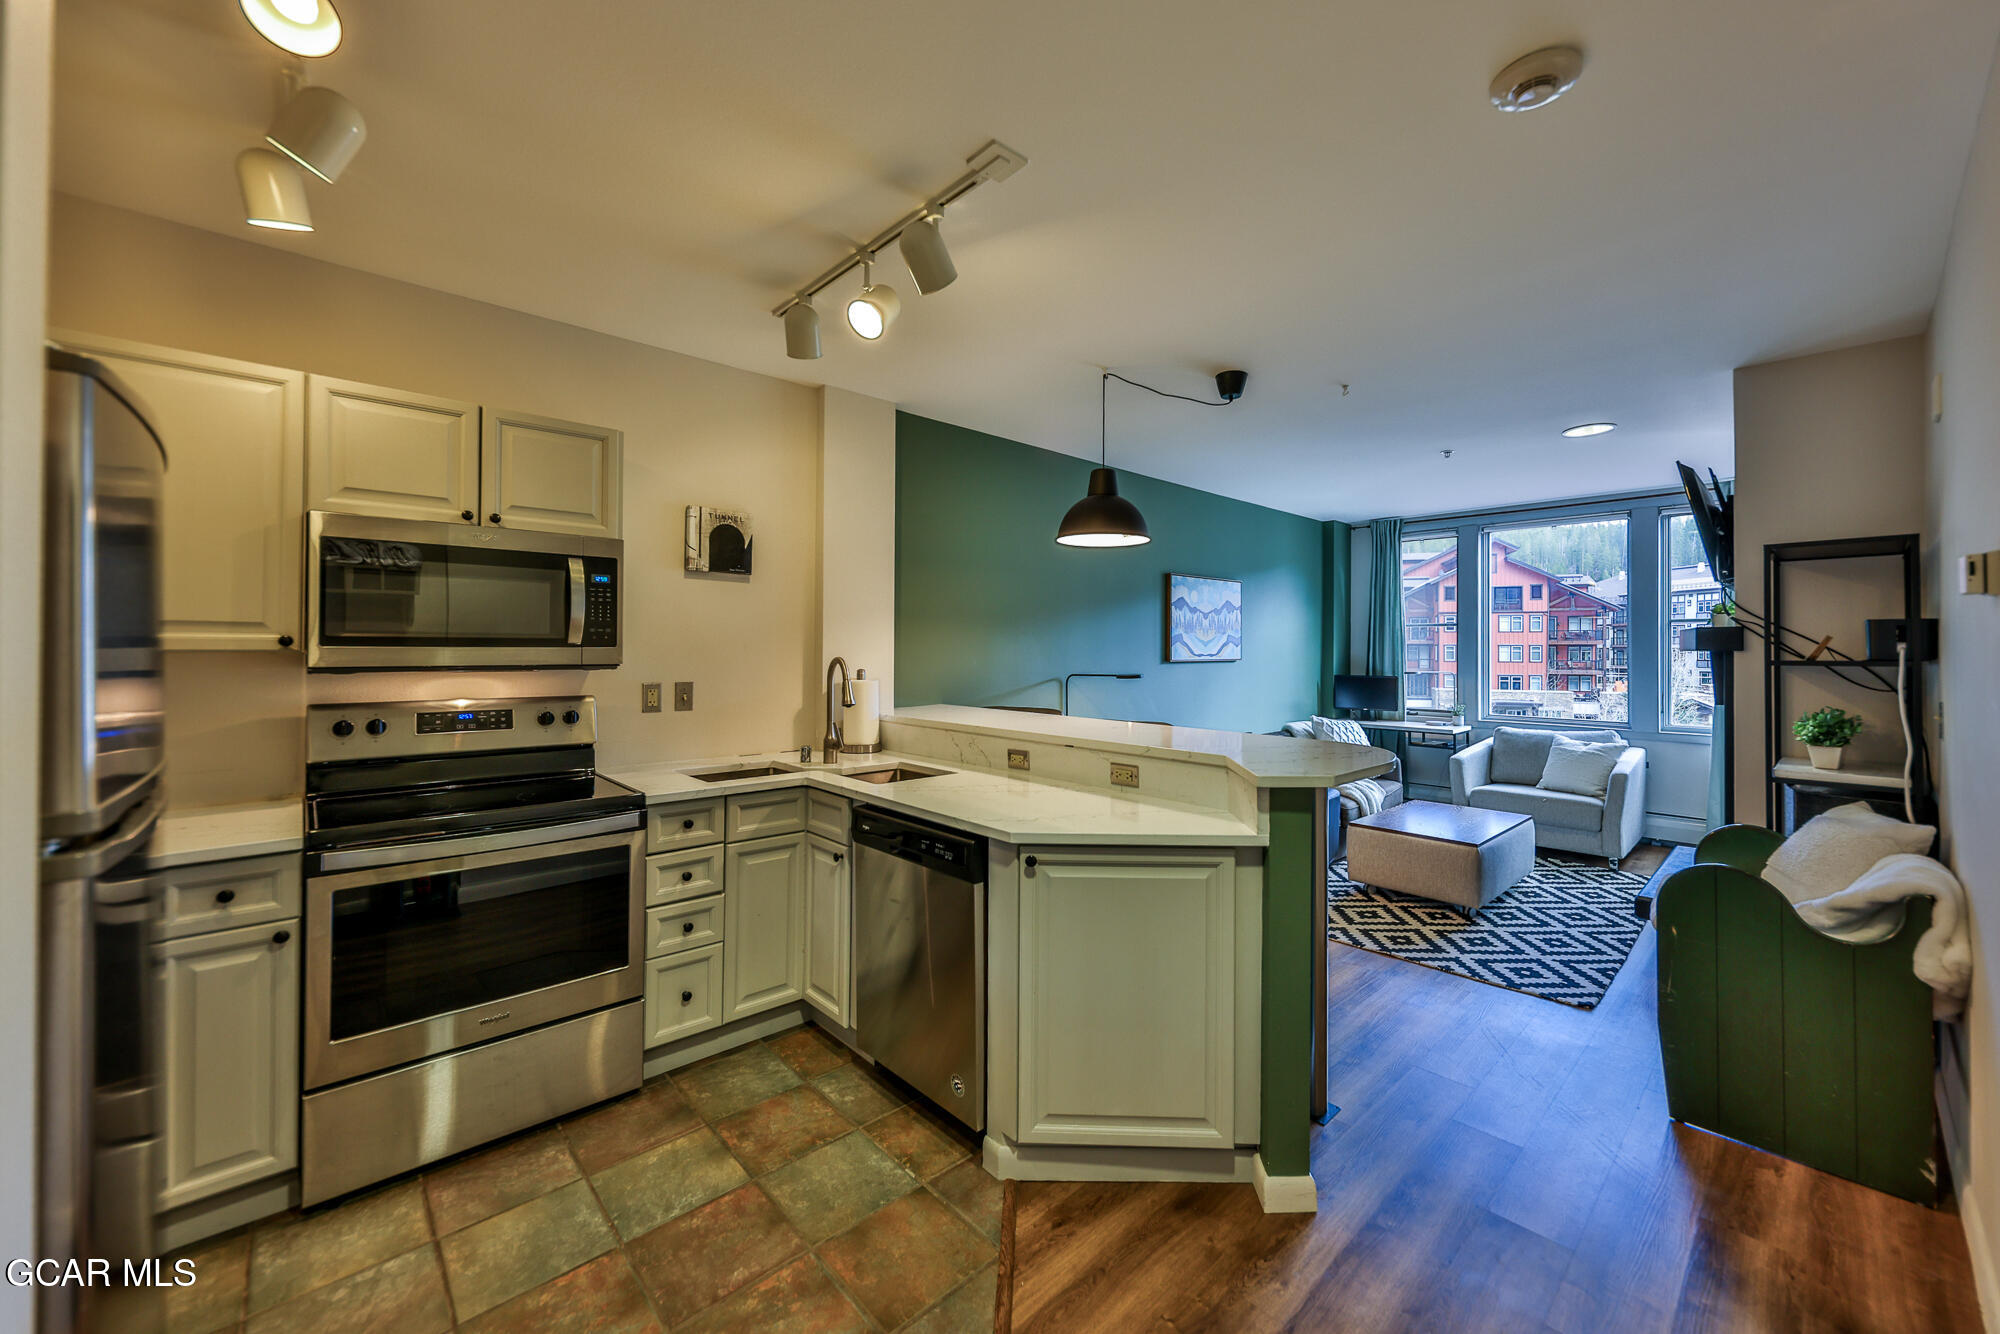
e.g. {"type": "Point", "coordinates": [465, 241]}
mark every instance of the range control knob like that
{"type": "Point", "coordinates": [343, 728]}
{"type": "Point", "coordinates": [545, 718]}
{"type": "Point", "coordinates": [572, 717]}
{"type": "Point", "coordinates": [376, 727]}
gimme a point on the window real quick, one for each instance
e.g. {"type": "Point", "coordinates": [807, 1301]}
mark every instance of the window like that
{"type": "Point", "coordinates": [1534, 683]}
{"type": "Point", "coordinates": [1535, 623]}
{"type": "Point", "coordinates": [1510, 625]}
{"type": "Point", "coordinates": [1576, 569]}
{"type": "Point", "coordinates": [1430, 634]}
{"type": "Point", "coordinates": [1687, 685]}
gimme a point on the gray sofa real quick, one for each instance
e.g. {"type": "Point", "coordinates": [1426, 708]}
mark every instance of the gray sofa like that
{"type": "Point", "coordinates": [1500, 773]}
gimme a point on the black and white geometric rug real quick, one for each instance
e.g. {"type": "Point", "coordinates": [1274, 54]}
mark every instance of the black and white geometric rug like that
{"type": "Point", "coordinates": [1561, 934]}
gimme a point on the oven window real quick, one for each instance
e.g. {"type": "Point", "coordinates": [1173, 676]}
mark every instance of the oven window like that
{"type": "Point", "coordinates": [422, 946]}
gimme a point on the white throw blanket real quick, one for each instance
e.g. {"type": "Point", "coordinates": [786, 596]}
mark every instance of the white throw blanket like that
{"type": "Point", "coordinates": [1366, 794]}
{"type": "Point", "coordinates": [1871, 909]}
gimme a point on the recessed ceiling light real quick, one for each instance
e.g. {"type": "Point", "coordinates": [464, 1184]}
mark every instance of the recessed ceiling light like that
{"type": "Point", "coordinates": [1536, 79]}
{"type": "Point", "coordinates": [303, 27]}
{"type": "Point", "coordinates": [1590, 428]}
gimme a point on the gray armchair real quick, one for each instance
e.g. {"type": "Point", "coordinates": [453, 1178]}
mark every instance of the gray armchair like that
{"type": "Point", "coordinates": [1501, 773]}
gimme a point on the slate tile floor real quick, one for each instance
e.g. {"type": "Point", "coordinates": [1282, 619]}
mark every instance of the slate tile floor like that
{"type": "Point", "coordinates": [781, 1186]}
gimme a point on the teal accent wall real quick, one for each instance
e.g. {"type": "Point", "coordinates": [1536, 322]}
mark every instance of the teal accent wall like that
{"type": "Point", "coordinates": [989, 610]}
{"type": "Point", "coordinates": [1336, 607]}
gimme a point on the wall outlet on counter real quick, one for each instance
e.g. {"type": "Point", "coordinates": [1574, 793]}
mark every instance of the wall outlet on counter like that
{"type": "Point", "coordinates": [1124, 775]}
{"type": "Point", "coordinates": [1017, 759]}
{"type": "Point", "coordinates": [649, 697]}
{"type": "Point", "coordinates": [683, 696]}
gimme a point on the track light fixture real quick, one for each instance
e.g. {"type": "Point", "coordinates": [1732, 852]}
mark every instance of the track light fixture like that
{"type": "Point", "coordinates": [802, 331]}
{"type": "Point", "coordinates": [320, 130]}
{"type": "Point", "coordinates": [921, 245]}
{"type": "Point", "coordinates": [875, 307]}
{"type": "Point", "coordinates": [1103, 518]}
{"type": "Point", "coordinates": [303, 27]}
{"type": "Point", "coordinates": [274, 193]}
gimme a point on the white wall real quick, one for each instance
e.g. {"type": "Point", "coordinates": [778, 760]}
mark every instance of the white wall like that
{"type": "Point", "coordinates": [26, 29]}
{"type": "Point", "coordinates": [858, 535]}
{"type": "Point", "coordinates": [1827, 446]}
{"type": "Point", "coordinates": [1964, 487]}
{"type": "Point", "coordinates": [695, 432]}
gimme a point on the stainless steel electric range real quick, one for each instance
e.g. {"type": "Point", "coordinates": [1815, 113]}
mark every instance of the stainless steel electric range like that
{"type": "Point", "coordinates": [474, 930]}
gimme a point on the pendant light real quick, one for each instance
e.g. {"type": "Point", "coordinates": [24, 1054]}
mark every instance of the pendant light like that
{"type": "Point", "coordinates": [274, 192]}
{"type": "Point", "coordinates": [874, 307]}
{"type": "Point", "coordinates": [1103, 518]}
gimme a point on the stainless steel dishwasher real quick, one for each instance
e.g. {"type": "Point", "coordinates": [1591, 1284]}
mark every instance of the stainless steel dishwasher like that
{"type": "Point", "coordinates": [920, 957]}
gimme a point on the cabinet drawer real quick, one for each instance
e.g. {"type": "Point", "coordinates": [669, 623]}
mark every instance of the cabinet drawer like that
{"type": "Point", "coordinates": [684, 926]}
{"type": "Point", "coordinates": [683, 994]}
{"type": "Point", "coordinates": [683, 875]}
{"type": "Point", "coordinates": [685, 824]}
{"type": "Point", "coordinates": [764, 814]}
{"type": "Point", "coordinates": [215, 895]}
{"type": "Point", "coordinates": [826, 816]}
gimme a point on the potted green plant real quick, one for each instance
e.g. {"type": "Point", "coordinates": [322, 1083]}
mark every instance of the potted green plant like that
{"type": "Point", "coordinates": [1826, 733]}
{"type": "Point", "coordinates": [1722, 613]}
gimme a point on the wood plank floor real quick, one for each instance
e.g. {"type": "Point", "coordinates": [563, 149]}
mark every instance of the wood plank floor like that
{"type": "Point", "coordinates": [1500, 1162]}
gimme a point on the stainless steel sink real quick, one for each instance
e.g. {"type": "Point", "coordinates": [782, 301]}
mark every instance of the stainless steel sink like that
{"type": "Point", "coordinates": [895, 774]}
{"type": "Point", "coordinates": [751, 771]}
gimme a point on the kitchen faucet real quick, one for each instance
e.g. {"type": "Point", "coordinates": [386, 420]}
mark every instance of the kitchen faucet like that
{"type": "Point", "coordinates": [830, 746]}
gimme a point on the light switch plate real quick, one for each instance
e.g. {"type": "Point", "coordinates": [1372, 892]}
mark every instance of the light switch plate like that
{"type": "Point", "coordinates": [683, 696]}
{"type": "Point", "coordinates": [649, 697]}
{"type": "Point", "coordinates": [1125, 775]}
{"type": "Point", "coordinates": [1975, 573]}
{"type": "Point", "coordinates": [1017, 759]}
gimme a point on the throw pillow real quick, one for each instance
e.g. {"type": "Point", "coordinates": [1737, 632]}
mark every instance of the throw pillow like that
{"type": "Point", "coordinates": [1339, 729]}
{"type": "Point", "coordinates": [1829, 852]}
{"type": "Point", "coordinates": [1518, 755]}
{"type": "Point", "coordinates": [1582, 767]}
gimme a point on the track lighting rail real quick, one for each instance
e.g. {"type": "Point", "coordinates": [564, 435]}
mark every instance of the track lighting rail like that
{"type": "Point", "coordinates": [993, 161]}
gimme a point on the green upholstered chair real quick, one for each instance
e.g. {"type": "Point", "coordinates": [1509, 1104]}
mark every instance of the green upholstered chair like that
{"type": "Point", "coordinates": [1788, 1039]}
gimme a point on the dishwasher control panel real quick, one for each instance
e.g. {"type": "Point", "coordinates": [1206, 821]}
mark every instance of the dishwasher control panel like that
{"type": "Point", "coordinates": [961, 856]}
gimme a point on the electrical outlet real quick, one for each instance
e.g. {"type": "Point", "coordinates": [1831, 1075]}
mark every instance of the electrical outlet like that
{"type": "Point", "coordinates": [683, 696]}
{"type": "Point", "coordinates": [1124, 775]}
{"type": "Point", "coordinates": [1017, 759]}
{"type": "Point", "coordinates": [649, 697]}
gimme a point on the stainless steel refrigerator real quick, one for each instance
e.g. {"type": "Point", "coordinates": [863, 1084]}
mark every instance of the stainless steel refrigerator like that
{"type": "Point", "coordinates": [100, 783]}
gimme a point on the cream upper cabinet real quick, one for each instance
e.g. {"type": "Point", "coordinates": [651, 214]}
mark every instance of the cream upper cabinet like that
{"type": "Point", "coordinates": [231, 536]}
{"type": "Point", "coordinates": [549, 475]}
{"type": "Point", "coordinates": [829, 929]}
{"type": "Point", "coordinates": [1127, 997]}
{"type": "Point", "coordinates": [391, 453]}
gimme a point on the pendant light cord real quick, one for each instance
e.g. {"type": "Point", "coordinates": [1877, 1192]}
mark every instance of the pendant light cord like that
{"type": "Point", "coordinates": [1204, 402]}
{"type": "Point", "coordinates": [1103, 408]}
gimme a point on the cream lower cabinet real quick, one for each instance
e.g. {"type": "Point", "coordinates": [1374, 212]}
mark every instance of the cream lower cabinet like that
{"type": "Point", "coordinates": [391, 453]}
{"type": "Point", "coordinates": [764, 895]}
{"type": "Point", "coordinates": [234, 433]}
{"type": "Point", "coordinates": [1127, 998]}
{"type": "Point", "coordinates": [229, 1003]}
{"type": "Point", "coordinates": [829, 929]}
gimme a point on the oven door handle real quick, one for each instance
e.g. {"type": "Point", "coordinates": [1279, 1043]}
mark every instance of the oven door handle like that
{"type": "Point", "coordinates": [576, 600]}
{"type": "Point", "coordinates": [435, 855]}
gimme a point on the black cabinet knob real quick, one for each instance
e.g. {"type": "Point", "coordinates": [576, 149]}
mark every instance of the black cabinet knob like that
{"type": "Point", "coordinates": [687, 998]}
{"type": "Point", "coordinates": [280, 937]}
{"type": "Point", "coordinates": [687, 928]}
{"type": "Point", "coordinates": [1031, 863]}
{"type": "Point", "coordinates": [343, 728]}
{"type": "Point", "coordinates": [466, 515]}
{"type": "Point", "coordinates": [493, 518]}
{"type": "Point", "coordinates": [376, 727]}
{"type": "Point", "coordinates": [686, 876]}
{"type": "Point", "coordinates": [687, 824]}
{"type": "Point", "coordinates": [225, 896]}
{"type": "Point", "coordinates": [545, 718]}
{"type": "Point", "coordinates": [572, 717]}
{"type": "Point", "coordinates": [840, 856]}
{"type": "Point", "coordinates": [284, 641]}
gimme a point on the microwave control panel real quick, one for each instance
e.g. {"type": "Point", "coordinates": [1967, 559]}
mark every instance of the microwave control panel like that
{"type": "Point", "coordinates": [466, 720]}
{"type": "Point", "coordinates": [600, 601]}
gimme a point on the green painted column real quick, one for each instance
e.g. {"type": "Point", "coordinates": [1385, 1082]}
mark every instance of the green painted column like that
{"type": "Point", "coordinates": [1292, 889]}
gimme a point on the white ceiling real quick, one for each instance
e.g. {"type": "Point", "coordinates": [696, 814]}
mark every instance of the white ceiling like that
{"type": "Point", "coordinates": [1316, 192]}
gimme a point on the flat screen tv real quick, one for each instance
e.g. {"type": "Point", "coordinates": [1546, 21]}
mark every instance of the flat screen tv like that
{"type": "Point", "coordinates": [1384, 694]}
{"type": "Point", "coordinates": [1713, 518]}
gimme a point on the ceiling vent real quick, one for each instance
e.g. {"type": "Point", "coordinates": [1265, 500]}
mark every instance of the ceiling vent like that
{"type": "Point", "coordinates": [1536, 79]}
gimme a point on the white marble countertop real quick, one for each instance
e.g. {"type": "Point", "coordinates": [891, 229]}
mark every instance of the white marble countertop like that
{"type": "Point", "coordinates": [1267, 761]}
{"type": "Point", "coordinates": [223, 833]}
{"type": "Point", "coordinates": [1008, 807]}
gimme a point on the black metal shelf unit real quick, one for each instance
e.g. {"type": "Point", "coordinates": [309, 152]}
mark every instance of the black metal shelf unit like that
{"type": "Point", "coordinates": [1777, 668]}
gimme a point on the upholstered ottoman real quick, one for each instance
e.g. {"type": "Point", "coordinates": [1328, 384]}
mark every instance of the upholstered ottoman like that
{"type": "Point", "coordinates": [1454, 854]}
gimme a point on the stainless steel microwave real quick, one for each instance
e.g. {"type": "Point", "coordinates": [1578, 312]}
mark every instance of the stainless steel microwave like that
{"type": "Point", "coordinates": [401, 594]}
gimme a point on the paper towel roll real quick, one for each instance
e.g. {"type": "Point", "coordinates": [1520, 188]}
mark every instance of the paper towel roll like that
{"type": "Point", "coordinates": [861, 725]}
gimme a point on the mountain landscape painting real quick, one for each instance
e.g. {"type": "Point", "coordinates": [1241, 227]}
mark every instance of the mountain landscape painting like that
{"type": "Point", "coordinates": [1204, 619]}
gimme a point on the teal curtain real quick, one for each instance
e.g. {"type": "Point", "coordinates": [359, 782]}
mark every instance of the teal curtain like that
{"type": "Point", "coordinates": [1385, 599]}
{"type": "Point", "coordinates": [1719, 749]}
{"type": "Point", "coordinates": [1336, 560]}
